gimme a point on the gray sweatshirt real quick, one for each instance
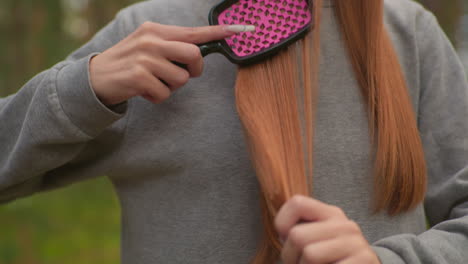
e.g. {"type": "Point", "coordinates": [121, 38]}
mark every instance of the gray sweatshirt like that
{"type": "Point", "coordinates": [186, 187]}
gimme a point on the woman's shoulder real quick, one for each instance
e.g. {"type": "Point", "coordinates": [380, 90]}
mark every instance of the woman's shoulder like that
{"type": "Point", "coordinates": [411, 27]}
{"type": "Point", "coordinates": [173, 12]}
{"type": "Point", "coordinates": [406, 16]}
{"type": "Point", "coordinates": [187, 13]}
{"type": "Point", "coordinates": [416, 35]}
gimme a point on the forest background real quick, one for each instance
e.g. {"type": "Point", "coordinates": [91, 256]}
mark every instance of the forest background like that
{"type": "Point", "coordinates": [81, 223]}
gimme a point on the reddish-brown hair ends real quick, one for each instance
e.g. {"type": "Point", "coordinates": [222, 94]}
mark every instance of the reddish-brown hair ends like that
{"type": "Point", "coordinates": [276, 104]}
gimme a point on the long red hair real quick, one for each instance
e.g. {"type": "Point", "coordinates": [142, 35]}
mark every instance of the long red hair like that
{"type": "Point", "coordinates": [276, 104]}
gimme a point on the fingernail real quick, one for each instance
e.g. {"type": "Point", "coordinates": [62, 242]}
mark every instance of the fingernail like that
{"type": "Point", "coordinates": [240, 28]}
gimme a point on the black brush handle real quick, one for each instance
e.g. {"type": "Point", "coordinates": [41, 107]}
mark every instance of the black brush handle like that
{"type": "Point", "coordinates": [210, 47]}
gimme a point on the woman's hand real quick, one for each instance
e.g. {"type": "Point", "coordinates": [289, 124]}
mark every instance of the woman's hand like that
{"type": "Point", "coordinates": [142, 64]}
{"type": "Point", "coordinates": [316, 233]}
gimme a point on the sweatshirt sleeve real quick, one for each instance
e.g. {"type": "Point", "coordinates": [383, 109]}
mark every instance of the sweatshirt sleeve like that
{"type": "Point", "coordinates": [443, 124]}
{"type": "Point", "coordinates": [53, 118]}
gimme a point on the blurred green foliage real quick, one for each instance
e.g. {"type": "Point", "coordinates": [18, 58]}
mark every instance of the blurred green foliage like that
{"type": "Point", "coordinates": [81, 223]}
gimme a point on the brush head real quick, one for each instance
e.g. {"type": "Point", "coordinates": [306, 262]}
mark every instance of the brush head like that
{"type": "Point", "coordinates": [278, 24]}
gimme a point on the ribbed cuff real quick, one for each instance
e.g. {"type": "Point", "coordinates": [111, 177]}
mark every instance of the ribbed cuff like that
{"type": "Point", "coordinates": [80, 103]}
{"type": "Point", "coordinates": [386, 256]}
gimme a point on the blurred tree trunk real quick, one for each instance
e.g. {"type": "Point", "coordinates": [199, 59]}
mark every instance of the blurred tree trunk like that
{"type": "Point", "coordinates": [34, 37]}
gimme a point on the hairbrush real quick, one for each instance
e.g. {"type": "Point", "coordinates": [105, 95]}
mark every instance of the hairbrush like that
{"type": "Point", "coordinates": [278, 23]}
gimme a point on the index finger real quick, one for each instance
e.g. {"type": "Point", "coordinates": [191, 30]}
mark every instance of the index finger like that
{"type": "Point", "coordinates": [301, 208]}
{"type": "Point", "coordinates": [198, 35]}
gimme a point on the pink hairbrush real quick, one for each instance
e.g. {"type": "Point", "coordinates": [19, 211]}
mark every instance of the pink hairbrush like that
{"type": "Point", "coordinates": [278, 23]}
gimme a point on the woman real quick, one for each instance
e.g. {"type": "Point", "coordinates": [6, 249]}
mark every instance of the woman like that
{"type": "Point", "coordinates": [187, 189]}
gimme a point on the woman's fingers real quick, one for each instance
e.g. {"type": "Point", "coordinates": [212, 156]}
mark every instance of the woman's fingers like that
{"type": "Point", "coordinates": [330, 251]}
{"type": "Point", "coordinates": [194, 35]}
{"type": "Point", "coordinates": [167, 72]}
{"type": "Point", "coordinates": [318, 233]}
{"type": "Point", "coordinates": [305, 234]}
{"type": "Point", "coordinates": [151, 88]}
{"type": "Point", "coordinates": [301, 208]}
{"type": "Point", "coordinates": [188, 55]}
{"type": "Point", "coordinates": [364, 257]}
